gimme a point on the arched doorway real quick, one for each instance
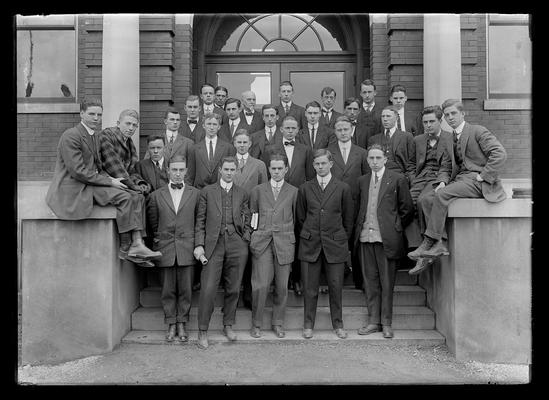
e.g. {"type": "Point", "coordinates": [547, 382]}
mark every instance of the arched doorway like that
{"type": "Point", "coordinates": [257, 52]}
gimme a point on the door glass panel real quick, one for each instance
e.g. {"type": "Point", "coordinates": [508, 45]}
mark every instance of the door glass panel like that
{"type": "Point", "coordinates": [280, 45]}
{"type": "Point", "coordinates": [238, 82]}
{"type": "Point", "coordinates": [251, 41]}
{"type": "Point", "coordinates": [330, 43]}
{"type": "Point", "coordinates": [291, 26]}
{"type": "Point", "coordinates": [268, 26]}
{"type": "Point", "coordinates": [307, 41]}
{"type": "Point", "coordinates": [307, 86]}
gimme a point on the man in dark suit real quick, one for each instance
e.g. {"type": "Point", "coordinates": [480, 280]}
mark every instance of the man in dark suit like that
{"type": "Point", "coordinates": [478, 156]}
{"type": "Point", "coordinates": [360, 132]}
{"type": "Point", "coordinates": [234, 121]}
{"type": "Point", "coordinates": [221, 95]}
{"type": "Point", "coordinates": [222, 235]}
{"type": "Point", "coordinates": [385, 209]}
{"type": "Point", "coordinates": [171, 215]}
{"type": "Point", "coordinates": [207, 95]}
{"type": "Point", "coordinates": [79, 181]}
{"type": "Point", "coordinates": [192, 126]}
{"type": "Point", "coordinates": [287, 106]}
{"type": "Point", "coordinates": [350, 163]}
{"type": "Point", "coordinates": [324, 222]}
{"type": "Point", "coordinates": [154, 169]}
{"type": "Point", "coordinates": [407, 121]}
{"type": "Point", "coordinates": [272, 244]}
{"type": "Point", "coordinates": [253, 118]}
{"type": "Point", "coordinates": [268, 137]}
{"type": "Point", "coordinates": [370, 114]}
{"type": "Point", "coordinates": [329, 115]}
{"type": "Point", "coordinates": [314, 134]}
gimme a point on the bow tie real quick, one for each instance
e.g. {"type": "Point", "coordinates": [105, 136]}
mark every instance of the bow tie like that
{"type": "Point", "coordinates": [353, 123]}
{"type": "Point", "coordinates": [176, 185]}
{"type": "Point", "coordinates": [249, 113]}
{"type": "Point", "coordinates": [290, 143]}
{"type": "Point", "coordinates": [192, 121]}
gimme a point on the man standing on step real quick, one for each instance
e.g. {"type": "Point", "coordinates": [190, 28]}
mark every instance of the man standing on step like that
{"type": "Point", "coordinates": [324, 222]}
{"type": "Point", "coordinates": [385, 209]}
{"type": "Point", "coordinates": [171, 214]}
{"type": "Point", "coordinates": [273, 244]}
{"type": "Point", "coordinates": [222, 235]}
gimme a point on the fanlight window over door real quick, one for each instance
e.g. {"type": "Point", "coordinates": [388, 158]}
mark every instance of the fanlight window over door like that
{"type": "Point", "coordinates": [280, 33]}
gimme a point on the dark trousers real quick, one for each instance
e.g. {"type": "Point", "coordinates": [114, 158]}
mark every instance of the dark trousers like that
{"type": "Point", "coordinates": [130, 207]}
{"type": "Point", "coordinates": [379, 277]}
{"type": "Point", "coordinates": [228, 261]}
{"type": "Point", "coordinates": [310, 274]}
{"type": "Point", "coordinates": [176, 292]}
{"type": "Point", "coordinates": [247, 281]}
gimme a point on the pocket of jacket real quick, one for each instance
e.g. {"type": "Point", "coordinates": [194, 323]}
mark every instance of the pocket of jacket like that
{"type": "Point", "coordinates": [340, 236]}
{"type": "Point", "coordinates": [305, 235]}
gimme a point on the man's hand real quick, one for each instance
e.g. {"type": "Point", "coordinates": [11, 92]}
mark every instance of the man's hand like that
{"type": "Point", "coordinates": [479, 178]}
{"type": "Point", "coordinates": [198, 251]}
{"type": "Point", "coordinates": [440, 186]}
{"type": "Point", "coordinates": [145, 188]}
{"type": "Point", "coordinates": [116, 182]}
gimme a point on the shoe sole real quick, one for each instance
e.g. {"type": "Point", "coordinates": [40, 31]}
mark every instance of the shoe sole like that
{"type": "Point", "coordinates": [145, 258]}
{"type": "Point", "coordinates": [429, 261]}
{"type": "Point", "coordinates": [140, 262]}
{"type": "Point", "coordinates": [431, 256]}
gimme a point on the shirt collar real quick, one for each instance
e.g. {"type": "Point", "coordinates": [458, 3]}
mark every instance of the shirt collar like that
{"type": "Point", "coordinates": [214, 139]}
{"type": "Point", "coordinates": [88, 129]}
{"type": "Point", "coordinates": [288, 104]}
{"type": "Point", "coordinates": [160, 162]}
{"type": "Point", "coordinates": [325, 179]}
{"type": "Point", "coordinates": [379, 173]}
{"type": "Point", "coordinates": [459, 129]}
{"type": "Point", "coordinates": [235, 121]}
{"type": "Point", "coordinates": [344, 145]}
{"type": "Point", "coordinates": [170, 133]}
{"type": "Point", "coordinates": [244, 156]}
{"type": "Point", "coordinates": [328, 111]}
{"type": "Point", "coordinates": [367, 106]}
{"type": "Point", "coordinates": [225, 185]}
{"type": "Point", "coordinates": [313, 126]}
{"type": "Point", "coordinates": [277, 184]}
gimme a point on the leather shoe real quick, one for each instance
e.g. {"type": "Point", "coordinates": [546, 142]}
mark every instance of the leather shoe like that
{"type": "Point", "coordinates": [423, 247]}
{"type": "Point", "coordinates": [387, 332]}
{"type": "Point", "coordinates": [307, 333]}
{"type": "Point", "coordinates": [170, 335]}
{"type": "Point", "coordinates": [421, 264]}
{"type": "Point", "coordinates": [341, 333]}
{"type": "Point", "coordinates": [196, 287]}
{"type": "Point", "coordinates": [369, 329]}
{"type": "Point", "coordinates": [203, 339]}
{"type": "Point", "coordinates": [228, 331]}
{"type": "Point", "coordinates": [278, 331]}
{"type": "Point", "coordinates": [255, 332]}
{"type": "Point", "coordinates": [139, 250]}
{"type": "Point", "coordinates": [438, 249]}
{"type": "Point", "coordinates": [323, 289]}
{"type": "Point", "coordinates": [140, 262]}
{"type": "Point", "coordinates": [181, 332]}
{"type": "Point", "coordinates": [298, 290]}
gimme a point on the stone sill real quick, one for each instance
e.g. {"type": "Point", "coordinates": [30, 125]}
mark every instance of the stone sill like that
{"type": "Point", "coordinates": [47, 108]}
{"type": "Point", "coordinates": [480, 208]}
{"type": "Point", "coordinates": [507, 104]}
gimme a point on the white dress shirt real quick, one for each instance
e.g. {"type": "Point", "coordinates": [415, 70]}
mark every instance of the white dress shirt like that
{"type": "Point", "coordinates": [368, 107]}
{"type": "Point", "coordinates": [326, 179]}
{"type": "Point", "coordinates": [160, 162]}
{"type": "Point", "coordinates": [90, 130]}
{"type": "Point", "coordinates": [347, 147]}
{"type": "Point", "coordinates": [176, 194]}
{"type": "Point", "coordinates": [225, 185]}
{"type": "Point", "coordinates": [214, 143]}
{"type": "Point", "coordinates": [235, 122]}
{"type": "Point", "coordinates": [288, 104]}
{"type": "Point", "coordinates": [208, 108]}
{"type": "Point", "coordinates": [391, 131]}
{"type": "Point", "coordinates": [401, 116]}
{"type": "Point", "coordinates": [169, 134]}
{"type": "Point", "coordinates": [289, 152]}
{"type": "Point", "coordinates": [459, 129]}
{"type": "Point", "coordinates": [310, 131]}
{"type": "Point", "coordinates": [243, 157]}
{"type": "Point", "coordinates": [379, 176]}
{"type": "Point", "coordinates": [249, 118]}
{"type": "Point", "coordinates": [192, 126]}
{"type": "Point", "coordinates": [273, 129]}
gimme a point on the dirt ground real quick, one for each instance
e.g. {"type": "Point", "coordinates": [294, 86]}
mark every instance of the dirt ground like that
{"type": "Point", "coordinates": [308, 363]}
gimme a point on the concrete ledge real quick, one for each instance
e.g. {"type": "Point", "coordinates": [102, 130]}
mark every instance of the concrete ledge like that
{"type": "Point", "coordinates": [480, 208]}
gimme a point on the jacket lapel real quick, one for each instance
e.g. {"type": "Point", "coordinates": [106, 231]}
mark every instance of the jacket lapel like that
{"type": "Point", "coordinates": [165, 193]}
{"type": "Point", "coordinates": [328, 190]}
{"type": "Point", "coordinates": [204, 155]}
{"type": "Point", "coordinates": [268, 190]}
{"type": "Point", "coordinates": [350, 159]}
{"type": "Point", "coordinates": [184, 198]}
{"type": "Point", "coordinates": [383, 185]}
{"type": "Point", "coordinates": [422, 141]}
{"type": "Point", "coordinates": [218, 196]}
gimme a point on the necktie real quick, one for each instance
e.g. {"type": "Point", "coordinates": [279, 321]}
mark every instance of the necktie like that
{"type": "Point", "coordinates": [171, 139]}
{"type": "Point", "coordinates": [455, 136]}
{"type": "Point", "coordinates": [313, 137]}
{"type": "Point", "coordinates": [176, 185]}
{"type": "Point", "coordinates": [376, 178]}
{"type": "Point", "coordinates": [232, 128]}
{"type": "Point", "coordinates": [157, 164]}
{"type": "Point", "coordinates": [322, 185]}
{"type": "Point", "coordinates": [270, 134]}
{"type": "Point", "coordinates": [249, 113]}
{"type": "Point", "coordinates": [387, 135]}
{"type": "Point", "coordinates": [192, 121]}
{"type": "Point", "coordinates": [241, 163]}
{"type": "Point", "coordinates": [211, 152]}
{"type": "Point", "coordinates": [344, 154]}
{"type": "Point", "coordinates": [286, 108]}
{"type": "Point", "coordinates": [399, 125]}
{"type": "Point", "coordinates": [290, 143]}
{"type": "Point", "coordinates": [276, 191]}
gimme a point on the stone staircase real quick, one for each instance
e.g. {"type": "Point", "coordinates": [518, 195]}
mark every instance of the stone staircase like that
{"type": "Point", "coordinates": [413, 321]}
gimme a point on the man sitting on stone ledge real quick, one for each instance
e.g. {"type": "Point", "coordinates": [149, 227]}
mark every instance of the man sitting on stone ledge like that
{"type": "Point", "coordinates": [80, 180]}
{"type": "Point", "coordinates": [478, 157]}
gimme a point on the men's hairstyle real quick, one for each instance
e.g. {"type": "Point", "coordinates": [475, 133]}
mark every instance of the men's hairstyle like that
{"type": "Point", "coordinates": [192, 97]}
{"type": "Point", "coordinates": [240, 132]}
{"type": "Point", "coordinates": [222, 88]}
{"type": "Point", "coordinates": [278, 157]}
{"type": "Point", "coordinates": [90, 102]}
{"type": "Point", "coordinates": [391, 108]}
{"type": "Point", "coordinates": [289, 118]}
{"type": "Point", "coordinates": [212, 115]}
{"type": "Point", "coordinates": [268, 106]}
{"type": "Point", "coordinates": [177, 158]}
{"type": "Point", "coordinates": [351, 100]}
{"type": "Point", "coordinates": [375, 146]}
{"type": "Point", "coordinates": [231, 100]}
{"type": "Point", "coordinates": [343, 118]}
{"type": "Point", "coordinates": [313, 104]}
{"type": "Point", "coordinates": [323, 152]}
{"type": "Point", "coordinates": [452, 102]}
{"type": "Point", "coordinates": [206, 85]}
{"type": "Point", "coordinates": [153, 137]}
{"type": "Point", "coordinates": [172, 110]}
{"type": "Point", "coordinates": [229, 159]}
{"type": "Point", "coordinates": [432, 110]}
{"type": "Point", "coordinates": [286, 83]}
{"type": "Point", "coordinates": [327, 90]}
{"type": "Point", "coordinates": [398, 88]}
{"type": "Point", "coordinates": [368, 82]}
{"type": "Point", "coordinates": [128, 112]}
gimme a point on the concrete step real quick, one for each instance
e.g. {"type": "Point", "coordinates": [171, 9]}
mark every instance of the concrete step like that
{"type": "Point", "coordinates": [402, 337]}
{"type": "Point", "coordinates": [404, 317]}
{"type": "Point", "coordinates": [404, 295]}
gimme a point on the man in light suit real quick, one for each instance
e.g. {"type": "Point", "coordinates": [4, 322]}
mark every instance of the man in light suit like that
{"type": "Point", "coordinates": [234, 121]}
{"type": "Point", "coordinates": [324, 222]}
{"type": "Point", "coordinates": [350, 163]}
{"type": "Point", "coordinates": [253, 118]}
{"type": "Point", "coordinates": [370, 114]}
{"type": "Point", "coordinates": [478, 157]}
{"type": "Point", "coordinates": [287, 107]}
{"type": "Point", "coordinates": [314, 134]}
{"type": "Point", "coordinates": [407, 121]}
{"type": "Point", "coordinates": [385, 209]}
{"type": "Point", "coordinates": [329, 115]}
{"type": "Point", "coordinates": [272, 244]}
{"type": "Point", "coordinates": [268, 137]}
{"type": "Point", "coordinates": [171, 215]}
{"type": "Point", "coordinates": [222, 235]}
{"type": "Point", "coordinates": [79, 181]}
{"type": "Point", "coordinates": [207, 95]}
{"type": "Point", "coordinates": [192, 126]}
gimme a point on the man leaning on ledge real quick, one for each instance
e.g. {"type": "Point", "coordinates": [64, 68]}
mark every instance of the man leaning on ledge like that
{"type": "Point", "coordinates": [79, 181]}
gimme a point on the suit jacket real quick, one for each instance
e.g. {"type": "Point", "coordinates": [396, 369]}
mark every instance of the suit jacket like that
{"type": "Point", "coordinates": [301, 168]}
{"type": "Point", "coordinates": [182, 146]}
{"type": "Point", "coordinates": [296, 111]}
{"type": "Point", "coordinates": [276, 221]}
{"type": "Point", "coordinates": [195, 135]}
{"type": "Point", "coordinates": [323, 137]}
{"type": "Point", "coordinates": [77, 170]}
{"type": "Point", "coordinates": [395, 210]}
{"type": "Point", "coordinates": [330, 123]}
{"type": "Point", "coordinates": [411, 121]}
{"type": "Point", "coordinates": [443, 156]}
{"type": "Point", "coordinates": [225, 130]}
{"type": "Point", "coordinates": [370, 122]}
{"type": "Point", "coordinates": [173, 230]}
{"type": "Point", "coordinates": [217, 110]}
{"type": "Point", "coordinates": [483, 153]}
{"type": "Point", "coordinates": [154, 176]}
{"type": "Point", "coordinates": [261, 147]}
{"type": "Point", "coordinates": [362, 134]}
{"type": "Point", "coordinates": [257, 122]}
{"type": "Point", "coordinates": [403, 150]}
{"type": "Point", "coordinates": [202, 172]}
{"type": "Point", "coordinates": [208, 217]}
{"type": "Point", "coordinates": [357, 165]}
{"type": "Point", "coordinates": [252, 174]}
{"type": "Point", "coordinates": [324, 221]}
